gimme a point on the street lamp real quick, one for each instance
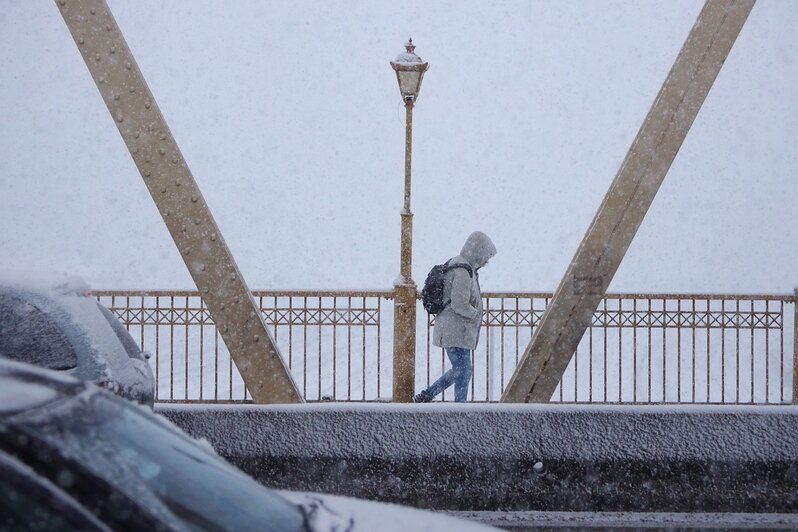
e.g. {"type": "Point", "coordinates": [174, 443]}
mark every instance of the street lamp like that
{"type": "Point", "coordinates": [409, 72]}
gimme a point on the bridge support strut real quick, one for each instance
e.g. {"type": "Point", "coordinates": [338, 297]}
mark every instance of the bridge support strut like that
{"type": "Point", "coordinates": [627, 201]}
{"type": "Point", "coordinates": [178, 198]}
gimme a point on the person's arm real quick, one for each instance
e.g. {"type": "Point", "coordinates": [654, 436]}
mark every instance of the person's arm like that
{"type": "Point", "coordinates": [461, 294]}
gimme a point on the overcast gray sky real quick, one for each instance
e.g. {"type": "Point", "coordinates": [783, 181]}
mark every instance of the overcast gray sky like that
{"type": "Point", "coordinates": [290, 118]}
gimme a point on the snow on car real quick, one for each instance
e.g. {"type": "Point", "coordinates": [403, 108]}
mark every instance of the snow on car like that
{"type": "Point", "coordinates": [53, 322]}
{"type": "Point", "coordinates": [90, 460]}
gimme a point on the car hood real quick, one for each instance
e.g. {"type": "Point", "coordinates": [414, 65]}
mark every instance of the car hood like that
{"type": "Point", "coordinates": [345, 514]}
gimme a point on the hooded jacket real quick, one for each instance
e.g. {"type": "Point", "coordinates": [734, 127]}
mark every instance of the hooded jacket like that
{"type": "Point", "coordinates": [458, 324]}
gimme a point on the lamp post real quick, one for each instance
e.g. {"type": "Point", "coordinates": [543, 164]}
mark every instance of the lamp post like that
{"type": "Point", "coordinates": [409, 72]}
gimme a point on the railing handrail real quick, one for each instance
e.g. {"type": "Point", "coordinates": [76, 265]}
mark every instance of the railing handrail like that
{"type": "Point", "coordinates": [388, 294]}
{"type": "Point", "coordinates": [787, 298]}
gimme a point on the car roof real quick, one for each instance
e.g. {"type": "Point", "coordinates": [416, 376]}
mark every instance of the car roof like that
{"type": "Point", "coordinates": [43, 283]}
{"type": "Point", "coordinates": [25, 386]}
{"type": "Point", "coordinates": [80, 318]}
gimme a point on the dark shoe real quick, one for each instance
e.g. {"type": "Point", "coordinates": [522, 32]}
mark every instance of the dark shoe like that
{"type": "Point", "coordinates": [422, 397]}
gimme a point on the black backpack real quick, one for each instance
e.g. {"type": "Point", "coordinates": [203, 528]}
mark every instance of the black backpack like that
{"type": "Point", "coordinates": [432, 293]}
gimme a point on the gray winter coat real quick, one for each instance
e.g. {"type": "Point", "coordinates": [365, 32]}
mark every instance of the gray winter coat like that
{"type": "Point", "coordinates": [458, 324]}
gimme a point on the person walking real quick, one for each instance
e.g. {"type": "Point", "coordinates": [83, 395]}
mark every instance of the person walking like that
{"type": "Point", "coordinates": [457, 325]}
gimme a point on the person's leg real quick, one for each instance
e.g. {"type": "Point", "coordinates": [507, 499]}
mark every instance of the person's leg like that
{"type": "Point", "coordinates": [461, 369]}
{"type": "Point", "coordinates": [459, 375]}
{"type": "Point", "coordinates": [437, 387]}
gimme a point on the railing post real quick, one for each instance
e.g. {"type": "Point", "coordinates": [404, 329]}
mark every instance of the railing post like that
{"type": "Point", "coordinates": [795, 349]}
{"type": "Point", "coordinates": [404, 343]}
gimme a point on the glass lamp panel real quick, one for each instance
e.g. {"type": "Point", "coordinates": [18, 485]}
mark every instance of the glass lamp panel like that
{"type": "Point", "coordinates": [408, 82]}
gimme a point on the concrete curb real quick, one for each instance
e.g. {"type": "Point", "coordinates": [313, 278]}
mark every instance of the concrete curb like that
{"type": "Point", "coordinates": [516, 457]}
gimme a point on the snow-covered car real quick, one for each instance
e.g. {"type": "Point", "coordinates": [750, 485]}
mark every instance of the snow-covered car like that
{"type": "Point", "coordinates": [56, 324]}
{"type": "Point", "coordinates": [75, 457]}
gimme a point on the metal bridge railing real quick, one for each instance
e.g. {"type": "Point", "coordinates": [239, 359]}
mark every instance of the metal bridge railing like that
{"type": "Point", "coordinates": [640, 348]}
{"type": "Point", "coordinates": [647, 348]}
{"type": "Point", "coordinates": [332, 341]}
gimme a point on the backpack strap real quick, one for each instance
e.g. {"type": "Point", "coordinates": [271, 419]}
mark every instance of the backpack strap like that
{"type": "Point", "coordinates": [447, 268]}
{"type": "Point", "coordinates": [466, 267]}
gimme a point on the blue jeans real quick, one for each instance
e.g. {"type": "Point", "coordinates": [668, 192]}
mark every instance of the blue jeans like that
{"type": "Point", "coordinates": [459, 375]}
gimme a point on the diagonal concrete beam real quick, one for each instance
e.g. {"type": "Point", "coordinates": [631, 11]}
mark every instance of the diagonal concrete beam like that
{"type": "Point", "coordinates": [179, 200]}
{"type": "Point", "coordinates": [627, 201]}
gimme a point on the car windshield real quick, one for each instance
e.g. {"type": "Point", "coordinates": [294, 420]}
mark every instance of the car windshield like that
{"type": "Point", "coordinates": [144, 457]}
{"type": "Point", "coordinates": [131, 348]}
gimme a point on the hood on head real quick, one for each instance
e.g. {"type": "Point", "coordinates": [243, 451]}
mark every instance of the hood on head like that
{"type": "Point", "coordinates": [478, 249]}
